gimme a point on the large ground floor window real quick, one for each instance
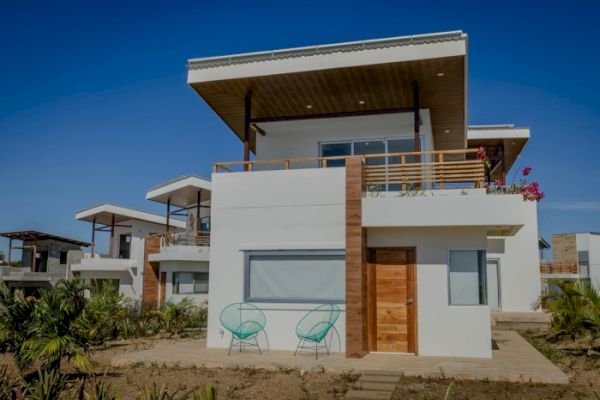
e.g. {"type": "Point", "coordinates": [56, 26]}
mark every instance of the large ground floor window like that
{"type": "Point", "coordinates": [467, 277]}
{"type": "Point", "coordinates": [289, 276]}
{"type": "Point", "coordinates": [190, 282]}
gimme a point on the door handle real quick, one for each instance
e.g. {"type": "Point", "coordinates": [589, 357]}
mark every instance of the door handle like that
{"type": "Point", "coordinates": [409, 302]}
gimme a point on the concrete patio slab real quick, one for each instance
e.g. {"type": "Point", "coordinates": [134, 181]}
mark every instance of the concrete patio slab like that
{"type": "Point", "coordinates": [514, 361]}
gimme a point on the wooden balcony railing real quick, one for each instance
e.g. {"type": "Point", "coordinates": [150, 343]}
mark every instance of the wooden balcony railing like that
{"type": "Point", "coordinates": [558, 268]}
{"type": "Point", "coordinates": [433, 168]}
{"type": "Point", "coordinates": [184, 239]}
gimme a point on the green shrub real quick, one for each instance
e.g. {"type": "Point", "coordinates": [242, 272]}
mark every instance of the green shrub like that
{"type": "Point", "coordinates": [100, 390]}
{"type": "Point", "coordinates": [207, 392]}
{"type": "Point", "coordinates": [176, 316]}
{"type": "Point", "coordinates": [155, 393]}
{"type": "Point", "coordinates": [575, 308]}
{"type": "Point", "coordinates": [47, 386]}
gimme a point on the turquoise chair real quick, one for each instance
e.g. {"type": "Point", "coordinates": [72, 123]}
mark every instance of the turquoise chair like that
{"type": "Point", "coordinates": [315, 326]}
{"type": "Point", "coordinates": [245, 321]}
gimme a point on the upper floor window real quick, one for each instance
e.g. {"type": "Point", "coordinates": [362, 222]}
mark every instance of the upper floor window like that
{"type": "Point", "coordinates": [369, 146]}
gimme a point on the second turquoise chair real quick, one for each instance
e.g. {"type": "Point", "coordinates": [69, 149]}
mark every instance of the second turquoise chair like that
{"type": "Point", "coordinates": [315, 326]}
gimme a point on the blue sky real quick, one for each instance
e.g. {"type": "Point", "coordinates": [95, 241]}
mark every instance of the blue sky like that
{"type": "Point", "coordinates": [94, 106]}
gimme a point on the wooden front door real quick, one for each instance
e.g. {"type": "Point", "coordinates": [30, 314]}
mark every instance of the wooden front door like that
{"type": "Point", "coordinates": [391, 300]}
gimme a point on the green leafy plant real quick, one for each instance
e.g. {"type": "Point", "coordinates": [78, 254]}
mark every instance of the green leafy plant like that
{"type": "Point", "coordinates": [100, 390]}
{"type": "Point", "coordinates": [102, 314]}
{"type": "Point", "coordinates": [207, 392]}
{"type": "Point", "coordinates": [54, 332]}
{"type": "Point", "coordinates": [575, 308]}
{"type": "Point", "coordinates": [176, 315]}
{"type": "Point", "coordinates": [47, 386]}
{"type": "Point", "coordinates": [159, 393]}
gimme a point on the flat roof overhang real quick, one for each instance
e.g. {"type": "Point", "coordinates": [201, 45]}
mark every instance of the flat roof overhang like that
{"type": "Point", "coordinates": [103, 214]}
{"type": "Point", "coordinates": [35, 235]}
{"type": "Point", "coordinates": [358, 77]}
{"type": "Point", "coordinates": [181, 192]}
{"type": "Point", "coordinates": [512, 139]}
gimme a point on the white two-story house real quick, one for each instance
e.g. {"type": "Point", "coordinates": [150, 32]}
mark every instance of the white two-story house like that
{"type": "Point", "coordinates": [127, 230]}
{"type": "Point", "coordinates": [360, 184]}
{"type": "Point", "coordinates": [181, 263]}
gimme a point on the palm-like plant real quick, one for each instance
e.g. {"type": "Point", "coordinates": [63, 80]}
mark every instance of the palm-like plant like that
{"type": "Point", "coordinates": [575, 308]}
{"type": "Point", "coordinates": [48, 386]}
{"type": "Point", "coordinates": [54, 333]}
{"type": "Point", "coordinates": [102, 314]}
{"type": "Point", "coordinates": [176, 315]}
{"type": "Point", "coordinates": [16, 319]}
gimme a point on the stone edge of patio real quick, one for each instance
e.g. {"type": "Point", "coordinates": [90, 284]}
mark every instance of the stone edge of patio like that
{"type": "Point", "coordinates": [520, 364]}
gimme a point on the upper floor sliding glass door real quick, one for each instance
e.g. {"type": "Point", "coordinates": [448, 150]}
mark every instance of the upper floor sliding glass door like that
{"type": "Point", "coordinates": [373, 146]}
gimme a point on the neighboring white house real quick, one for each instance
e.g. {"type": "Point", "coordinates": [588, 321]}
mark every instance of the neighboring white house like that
{"type": "Point", "coordinates": [575, 256]}
{"type": "Point", "coordinates": [124, 263]}
{"type": "Point", "coordinates": [183, 257]}
{"type": "Point", "coordinates": [366, 191]}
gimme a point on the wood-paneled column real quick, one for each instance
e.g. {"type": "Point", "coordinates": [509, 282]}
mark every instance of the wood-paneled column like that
{"type": "Point", "coordinates": [356, 273]}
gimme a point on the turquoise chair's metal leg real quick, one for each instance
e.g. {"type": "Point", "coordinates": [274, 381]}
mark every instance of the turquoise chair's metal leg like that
{"type": "Point", "coordinates": [230, 344]}
{"type": "Point", "coordinates": [257, 345]}
{"type": "Point", "coordinates": [297, 347]}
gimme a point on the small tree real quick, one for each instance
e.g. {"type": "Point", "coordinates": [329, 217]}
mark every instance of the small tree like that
{"type": "Point", "coordinates": [54, 333]}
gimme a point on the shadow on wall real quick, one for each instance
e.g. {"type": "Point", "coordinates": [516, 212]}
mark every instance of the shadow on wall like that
{"type": "Point", "coordinates": [495, 246]}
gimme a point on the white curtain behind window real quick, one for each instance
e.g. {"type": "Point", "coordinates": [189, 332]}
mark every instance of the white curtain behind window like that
{"type": "Point", "coordinates": [309, 278]}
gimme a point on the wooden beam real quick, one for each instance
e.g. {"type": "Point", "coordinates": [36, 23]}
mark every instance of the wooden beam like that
{"type": "Point", "coordinates": [198, 219]}
{"type": "Point", "coordinates": [332, 115]}
{"type": "Point", "coordinates": [168, 212]}
{"type": "Point", "coordinates": [112, 235]}
{"type": "Point", "coordinates": [258, 129]}
{"type": "Point", "coordinates": [416, 117]}
{"type": "Point", "coordinates": [247, 118]}
{"type": "Point", "coordinates": [9, 250]}
{"type": "Point", "coordinates": [93, 236]}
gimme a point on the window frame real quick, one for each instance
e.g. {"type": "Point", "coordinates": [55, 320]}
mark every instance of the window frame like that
{"type": "Point", "coordinates": [174, 285]}
{"type": "Point", "coordinates": [481, 255]}
{"type": "Point", "coordinates": [325, 252]}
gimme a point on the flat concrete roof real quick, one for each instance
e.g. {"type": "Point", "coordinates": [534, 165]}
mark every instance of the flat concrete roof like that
{"type": "Point", "coordinates": [103, 213]}
{"type": "Point", "coordinates": [36, 235]}
{"type": "Point", "coordinates": [182, 191]}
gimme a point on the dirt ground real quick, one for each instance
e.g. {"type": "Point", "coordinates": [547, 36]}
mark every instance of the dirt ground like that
{"type": "Point", "coordinates": [246, 383]}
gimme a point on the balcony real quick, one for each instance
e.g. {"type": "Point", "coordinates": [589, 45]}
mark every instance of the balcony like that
{"type": "Point", "coordinates": [414, 189]}
{"type": "Point", "coordinates": [550, 270]}
{"type": "Point", "coordinates": [182, 246]}
{"type": "Point", "coordinates": [410, 171]}
{"type": "Point", "coordinates": [102, 262]}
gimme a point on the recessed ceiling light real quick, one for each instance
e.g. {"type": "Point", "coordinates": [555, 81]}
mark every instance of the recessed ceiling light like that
{"type": "Point", "coordinates": [440, 74]}
{"type": "Point", "coordinates": [361, 102]}
{"type": "Point", "coordinates": [309, 106]}
{"type": "Point", "coordinates": [447, 131]}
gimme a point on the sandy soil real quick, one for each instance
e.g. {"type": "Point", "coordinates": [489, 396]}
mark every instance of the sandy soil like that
{"type": "Point", "coordinates": [311, 385]}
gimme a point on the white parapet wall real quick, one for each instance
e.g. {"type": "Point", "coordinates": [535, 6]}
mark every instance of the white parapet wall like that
{"type": "Point", "coordinates": [271, 210]}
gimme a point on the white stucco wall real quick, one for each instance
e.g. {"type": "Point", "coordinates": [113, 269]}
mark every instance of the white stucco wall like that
{"type": "Point", "coordinates": [298, 139]}
{"type": "Point", "coordinates": [126, 281]}
{"type": "Point", "coordinates": [591, 243]}
{"type": "Point", "coordinates": [520, 284]}
{"type": "Point", "coordinates": [270, 210]}
{"type": "Point", "coordinates": [182, 266]}
{"type": "Point", "coordinates": [443, 330]}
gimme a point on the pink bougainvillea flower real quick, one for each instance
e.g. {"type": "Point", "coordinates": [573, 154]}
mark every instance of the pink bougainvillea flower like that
{"type": "Point", "coordinates": [526, 171]}
{"type": "Point", "coordinates": [481, 154]}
